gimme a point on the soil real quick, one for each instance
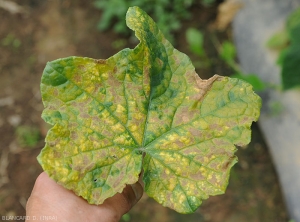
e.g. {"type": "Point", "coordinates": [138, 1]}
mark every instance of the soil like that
{"type": "Point", "coordinates": [48, 30]}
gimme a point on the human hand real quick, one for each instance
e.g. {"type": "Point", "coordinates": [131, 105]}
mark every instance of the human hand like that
{"type": "Point", "coordinates": [49, 199]}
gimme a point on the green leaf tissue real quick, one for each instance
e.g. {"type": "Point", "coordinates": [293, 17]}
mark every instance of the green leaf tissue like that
{"type": "Point", "coordinates": [143, 110]}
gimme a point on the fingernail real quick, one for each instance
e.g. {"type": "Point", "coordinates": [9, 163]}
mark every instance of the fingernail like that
{"type": "Point", "coordinates": [138, 190]}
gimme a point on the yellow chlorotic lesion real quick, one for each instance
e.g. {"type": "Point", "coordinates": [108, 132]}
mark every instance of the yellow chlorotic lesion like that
{"type": "Point", "coordinates": [171, 183]}
{"type": "Point", "coordinates": [120, 109]}
{"type": "Point", "coordinates": [102, 143]}
{"type": "Point", "coordinates": [104, 76]}
{"type": "Point", "coordinates": [146, 89]}
{"type": "Point", "coordinates": [205, 160]}
{"type": "Point", "coordinates": [209, 177]}
{"type": "Point", "coordinates": [139, 116]}
{"type": "Point", "coordinates": [218, 178]}
{"type": "Point", "coordinates": [226, 128]}
{"type": "Point", "coordinates": [65, 172]}
{"type": "Point", "coordinates": [133, 127]}
{"type": "Point", "coordinates": [123, 139]}
{"type": "Point", "coordinates": [96, 127]}
{"type": "Point", "coordinates": [118, 128]}
{"type": "Point", "coordinates": [73, 176]}
{"type": "Point", "coordinates": [201, 124]}
{"type": "Point", "coordinates": [104, 115]}
{"type": "Point", "coordinates": [90, 88]}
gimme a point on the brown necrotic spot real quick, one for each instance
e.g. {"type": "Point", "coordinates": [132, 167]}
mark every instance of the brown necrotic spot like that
{"type": "Point", "coordinates": [52, 143]}
{"type": "Point", "coordinates": [73, 135]}
{"type": "Point", "coordinates": [228, 164]}
{"type": "Point", "coordinates": [115, 69]}
{"type": "Point", "coordinates": [96, 195]}
{"type": "Point", "coordinates": [83, 167]}
{"type": "Point", "coordinates": [82, 68]}
{"type": "Point", "coordinates": [185, 115]}
{"type": "Point", "coordinates": [203, 85]}
{"type": "Point", "coordinates": [84, 115]}
{"type": "Point", "coordinates": [216, 127]}
{"type": "Point", "coordinates": [77, 78]}
{"type": "Point", "coordinates": [56, 154]}
{"type": "Point", "coordinates": [55, 92]}
{"type": "Point", "coordinates": [246, 119]}
{"type": "Point", "coordinates": [195, 132]}
{"type": "Point", "coordinates": [197, 176]}
{"type": "Point", "coordinates": [100, 61]}
{"type": "Point", "coordinates": [73, 125]}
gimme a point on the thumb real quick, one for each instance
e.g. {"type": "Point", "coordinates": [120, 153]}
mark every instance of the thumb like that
{"type": "Point", "coordinates": [121, 203]}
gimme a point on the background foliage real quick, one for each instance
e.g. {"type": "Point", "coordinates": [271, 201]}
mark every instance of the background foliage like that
{"type": "Point", "coordinates": [167, 14]}
{"type": "Point", "coordinates": [288, 42]}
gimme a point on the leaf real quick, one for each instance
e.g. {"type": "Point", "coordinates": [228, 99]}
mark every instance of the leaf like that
{"type": "Point", "coordinates": [281, 56]}
{"type": "Point", "coordinates": [228, 52]}
{"type": "Point", "coordinates": [289, 57]}
{"type": "Point", "coordinates": [279, 40]}
{"type": "Point", "coordinates": [207, 3]}
{"type": "Point", "coordinates": [293, 26]}
{"type": "Point", "coordinates": [290, 62]}
{"type": "Point", "coordinates": [195, 40]}
{"type": "Point", "coordinates": [147, 101]}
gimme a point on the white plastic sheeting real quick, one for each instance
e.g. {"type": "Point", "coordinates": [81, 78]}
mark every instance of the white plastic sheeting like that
{"type": "Point", "coordinates": [255, 23]}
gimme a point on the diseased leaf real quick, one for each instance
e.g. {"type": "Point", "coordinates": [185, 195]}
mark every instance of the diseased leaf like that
{"type": "Point", "coordinates": [147, 101]}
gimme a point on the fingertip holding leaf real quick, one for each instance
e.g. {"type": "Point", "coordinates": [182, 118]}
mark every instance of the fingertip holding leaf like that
{"type": "Point", "coordinates": [147, 101]}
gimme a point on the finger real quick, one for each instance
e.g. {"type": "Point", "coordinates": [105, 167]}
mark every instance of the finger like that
{"type": "Point", "coordinates": [49, 198]}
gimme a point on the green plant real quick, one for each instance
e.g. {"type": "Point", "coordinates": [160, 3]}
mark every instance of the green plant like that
{"type": "Point", "coordinates": [195, 40]}
{"type": "Point", "coordinates": [288, 42]}
{"type": "Point", "coordinates": [279, 40]}
{"type": "Point", "coordinates": [168, 14]}
{"type": "Point", "coordinates": [228, 54]}
{"type": "Point", "coordinates": [27, 136]}
{"type": "Point", "coordinates": [11, 40]}
{"type": "Point", "coordinates": [118, 44]}
{"type": "Point", "coordinates": [208, 2]}
{"type": "Point", "coordinates": [143, 109]}
{"type": "Point", "coordinates": [126, 217]}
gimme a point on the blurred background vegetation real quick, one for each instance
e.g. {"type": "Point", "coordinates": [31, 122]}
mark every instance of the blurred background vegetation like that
{"type": "Point", "coordinates": [33, 32]}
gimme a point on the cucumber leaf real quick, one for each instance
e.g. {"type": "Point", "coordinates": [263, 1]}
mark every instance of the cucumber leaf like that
{"type": "Point", "coordinates": [143, 108]}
